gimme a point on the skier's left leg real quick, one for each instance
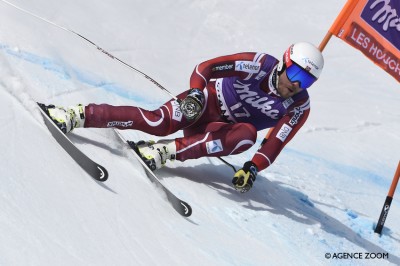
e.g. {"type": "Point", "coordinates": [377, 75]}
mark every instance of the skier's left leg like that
{"type": "Point", "coordinates": [163, 121]}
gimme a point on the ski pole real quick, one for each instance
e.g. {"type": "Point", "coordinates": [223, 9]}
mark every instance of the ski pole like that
{"type": "Point", "coordinates": [388, 202]}
{"type": "Point", "coordinates": [228, 164]}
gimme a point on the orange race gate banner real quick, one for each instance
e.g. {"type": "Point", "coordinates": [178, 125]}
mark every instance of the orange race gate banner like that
{"type": "Point", "coordinates": [373, 27]}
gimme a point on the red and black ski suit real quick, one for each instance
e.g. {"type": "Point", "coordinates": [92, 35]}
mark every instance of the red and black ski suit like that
{"type": "Point", "coordinates": [240, 99]}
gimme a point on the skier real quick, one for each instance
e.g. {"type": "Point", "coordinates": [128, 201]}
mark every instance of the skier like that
{"type": "Point", "coordinates": [231, 98]}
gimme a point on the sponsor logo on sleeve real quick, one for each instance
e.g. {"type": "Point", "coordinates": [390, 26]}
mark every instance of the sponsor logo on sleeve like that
{"type": "Point", "coordinates": [284, 132]}
{"type": "Point", "coordinates": [214, 146]}
{"type": "Point", "coordinates": [298, 112]}
{"type": "Point", "coordinates": [247, 66]}
{"type": "Point", "coordinates": [223, 67]}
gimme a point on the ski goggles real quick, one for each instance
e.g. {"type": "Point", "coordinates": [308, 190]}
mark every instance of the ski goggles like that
{"type": "Point", "coordinates": [296, 73]}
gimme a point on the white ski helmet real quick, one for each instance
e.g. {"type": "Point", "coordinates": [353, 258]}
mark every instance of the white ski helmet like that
{"type": "Point", "coordinates": [303, 63]}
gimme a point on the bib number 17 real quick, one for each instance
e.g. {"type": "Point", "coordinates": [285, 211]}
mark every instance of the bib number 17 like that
{"type": "Point", "coordinates": [239, 110]}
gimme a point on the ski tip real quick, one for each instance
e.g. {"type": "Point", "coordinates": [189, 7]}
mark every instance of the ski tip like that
{"type": "Point", "coordinates": [180, 206]}
{"type": "Point", "coordinates": [103, 174]}
{"type": "Point", "coordinates": [186, 210]}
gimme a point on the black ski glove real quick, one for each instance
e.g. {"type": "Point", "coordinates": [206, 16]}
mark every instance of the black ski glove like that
{"type": "Point", "coordinates": [244, 178]}
{"type": "Point", "coordinates": [192, 105]}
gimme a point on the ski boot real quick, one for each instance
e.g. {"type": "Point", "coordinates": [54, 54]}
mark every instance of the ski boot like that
{"type": "Point", "coordinates": [65, 119]}
{"type": "Point", "coordinates": [155, 155]}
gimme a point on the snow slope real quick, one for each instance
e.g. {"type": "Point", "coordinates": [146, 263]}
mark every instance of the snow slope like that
{"type": "Point", "coordinates": [322, 195]}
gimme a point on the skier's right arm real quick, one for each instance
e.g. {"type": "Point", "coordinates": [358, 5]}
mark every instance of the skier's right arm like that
{"type": "Point", "coordinates": [219, 67]}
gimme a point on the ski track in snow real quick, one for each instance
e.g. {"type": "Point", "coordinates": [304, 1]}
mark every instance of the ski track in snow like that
{"type": "Point", "coordinates": [61, 72]}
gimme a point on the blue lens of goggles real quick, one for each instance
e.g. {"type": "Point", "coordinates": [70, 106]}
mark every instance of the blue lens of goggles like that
{"type": "Point", "coordinates": [297, 74]}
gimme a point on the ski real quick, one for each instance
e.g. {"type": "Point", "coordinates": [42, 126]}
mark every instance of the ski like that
{"type": "Point", "coordinates": [94, 169]}
{"type": "Point", "coordinates": [182, 207]}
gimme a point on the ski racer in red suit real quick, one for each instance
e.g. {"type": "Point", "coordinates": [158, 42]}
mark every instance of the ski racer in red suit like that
{"type": "Point", "coordinates": [231, 98]}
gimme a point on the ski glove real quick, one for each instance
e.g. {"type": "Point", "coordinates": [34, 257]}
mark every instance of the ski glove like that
{"type": "Point", "coordinates": [244, 178]}
{"type": "Point", "coordinates": [192, 105]}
